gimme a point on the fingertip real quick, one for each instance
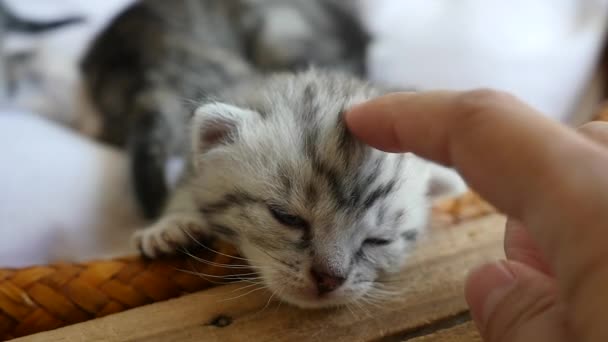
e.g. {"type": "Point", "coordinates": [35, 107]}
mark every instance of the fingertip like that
{"type": "Point", "coordinates": [405, 122]}
{"type": "Point", "coordinates": [372, 123]}
{"type": "Point", "coordinates": [353, 118]}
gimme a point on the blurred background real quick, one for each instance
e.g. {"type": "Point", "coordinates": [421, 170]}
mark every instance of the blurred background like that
{"type": "Point", "coordinates": [65, 197]}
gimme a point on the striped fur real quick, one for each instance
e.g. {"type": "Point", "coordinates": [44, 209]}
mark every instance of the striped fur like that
{"type": "Point", "coordinates": [358, 210]}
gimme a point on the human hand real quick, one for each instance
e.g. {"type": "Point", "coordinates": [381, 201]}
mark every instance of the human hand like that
{"type": "Point", "coordinates": [546, 177]}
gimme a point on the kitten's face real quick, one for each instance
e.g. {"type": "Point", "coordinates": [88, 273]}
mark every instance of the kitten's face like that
{"type": "Point", "coordinates": [321, 217]}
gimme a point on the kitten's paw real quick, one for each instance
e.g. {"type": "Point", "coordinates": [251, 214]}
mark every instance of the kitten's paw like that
{"type": "Point", "coordinates": [166, 236]}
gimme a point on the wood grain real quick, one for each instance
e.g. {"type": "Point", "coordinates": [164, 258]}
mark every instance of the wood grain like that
{"type": "Point", "coordinates": [431, 303]}
{"type": "Point", "coordinates": [461, 333]}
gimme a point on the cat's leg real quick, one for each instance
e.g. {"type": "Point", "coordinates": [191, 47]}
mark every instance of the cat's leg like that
{"type": "Point", "coordinates": [155, 128]}
{"type": "Point", "coordinates": [148, 157]}
{"type": "Point", "coordinates": [178, 227]}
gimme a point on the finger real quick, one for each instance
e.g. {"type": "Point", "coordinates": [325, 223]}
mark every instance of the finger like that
{"type": "Point", "coordinates": [597, 131]}
{"type": "Point", "coordinates": [520, 247]}
{"type": "Point", "coordinates": [534, 169]}
{"type": "Point", "coordinates": [465, 130]}
{"type": "Point", "coordinates": [511, 302]}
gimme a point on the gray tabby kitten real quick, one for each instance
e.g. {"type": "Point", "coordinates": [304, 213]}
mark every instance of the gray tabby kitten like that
{"type": "Point", "coordinates": [143, 68]}
{"type": "Point", "coordinates": [323, 218]}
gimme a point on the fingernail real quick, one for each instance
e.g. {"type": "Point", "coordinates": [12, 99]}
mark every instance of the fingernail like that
{"type": "Point", "coordinates": [486, 287]}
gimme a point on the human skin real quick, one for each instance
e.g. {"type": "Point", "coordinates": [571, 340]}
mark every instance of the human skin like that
{"type": "Point", "coordinates": [551, 181]}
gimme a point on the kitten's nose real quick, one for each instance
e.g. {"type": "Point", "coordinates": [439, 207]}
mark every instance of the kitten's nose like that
{"type": "Point", "coordinates": [325, 281]}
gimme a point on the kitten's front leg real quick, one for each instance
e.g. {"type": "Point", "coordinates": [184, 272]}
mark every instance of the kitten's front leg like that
{"type": "Point", "coordinates": [179, 226]}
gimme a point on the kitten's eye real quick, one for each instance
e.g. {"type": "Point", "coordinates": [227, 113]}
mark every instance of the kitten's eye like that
{"type": "Point", "coordinates": [287, 219]}
{"type": "Point", "coordinates": [377, 242]}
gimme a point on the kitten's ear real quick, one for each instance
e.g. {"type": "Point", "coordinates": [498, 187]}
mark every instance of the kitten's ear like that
{"type": "Point", "coordinates": [217, 124]}
{"type": "Point", "coordinates": [445, 182]}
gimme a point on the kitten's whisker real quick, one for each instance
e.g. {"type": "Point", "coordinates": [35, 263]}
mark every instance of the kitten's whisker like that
{"type": "Point", "coordinates": [212, 263]}
{"type": "Point", "coordinates": [250, 282]}
{"type": "Point", "coordinates": [251, 278]}
{"type": "Point", "coordinates": [371, 302]}
{"type": "Point", "coordinates": [212, 281]}
{"type": "Point", "coordinates": [392, 280]}
{"type": "Point", "coordinates": [267, 303]}
{"type": "Point", "coordinates": [280, 303]}
{"type": "Point", "coordinates": [380, 294]}
{"type": "Point", "coordinates": [394, 291]}
{"type": "Point", "coordinates": [245, 287]}
{"type": "Point", "coordinates": [376, 297]}
{"type": "Point", "coordinates": [348, 306]}
{"type": "Point", "coordinates": [207, 276]}
{"type": "Point", "coordinates": [250, 292]}
{"type": "Point", "coordinates": [211, 249]}
{"type": "Point", "coordinates": [289, 268]}
{"type": "Point", "coordinates": [228, 276]}
{"type": "Point", "coordinates": [362, 309]}
{"type": "Point", "coordinates": [270, 255]}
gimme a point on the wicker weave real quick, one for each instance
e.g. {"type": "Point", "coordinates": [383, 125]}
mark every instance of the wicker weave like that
{"type": "Point", "coordinates": [46, 297]}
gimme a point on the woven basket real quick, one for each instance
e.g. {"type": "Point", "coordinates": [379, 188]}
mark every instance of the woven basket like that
{"type": "Point", "coordinates": [46, 297]}
{"type": "Point", "coordinates": [41, 298]}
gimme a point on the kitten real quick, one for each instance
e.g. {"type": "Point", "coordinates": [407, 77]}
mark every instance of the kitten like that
{"type": "Point", "coordinates": [323, 218]}
{"type": "Point", "coordinates": [157, 54]}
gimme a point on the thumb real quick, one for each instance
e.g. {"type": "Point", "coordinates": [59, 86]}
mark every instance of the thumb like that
{"type": "Point", "coordinates": [510, 301]}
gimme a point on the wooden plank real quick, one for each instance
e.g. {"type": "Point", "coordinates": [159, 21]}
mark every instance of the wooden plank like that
{"type": "Point", "coordinates": [432, 288]}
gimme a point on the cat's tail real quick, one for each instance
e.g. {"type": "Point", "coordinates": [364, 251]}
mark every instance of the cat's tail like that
{"type": "Point", "coordinates": [13, 23]}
